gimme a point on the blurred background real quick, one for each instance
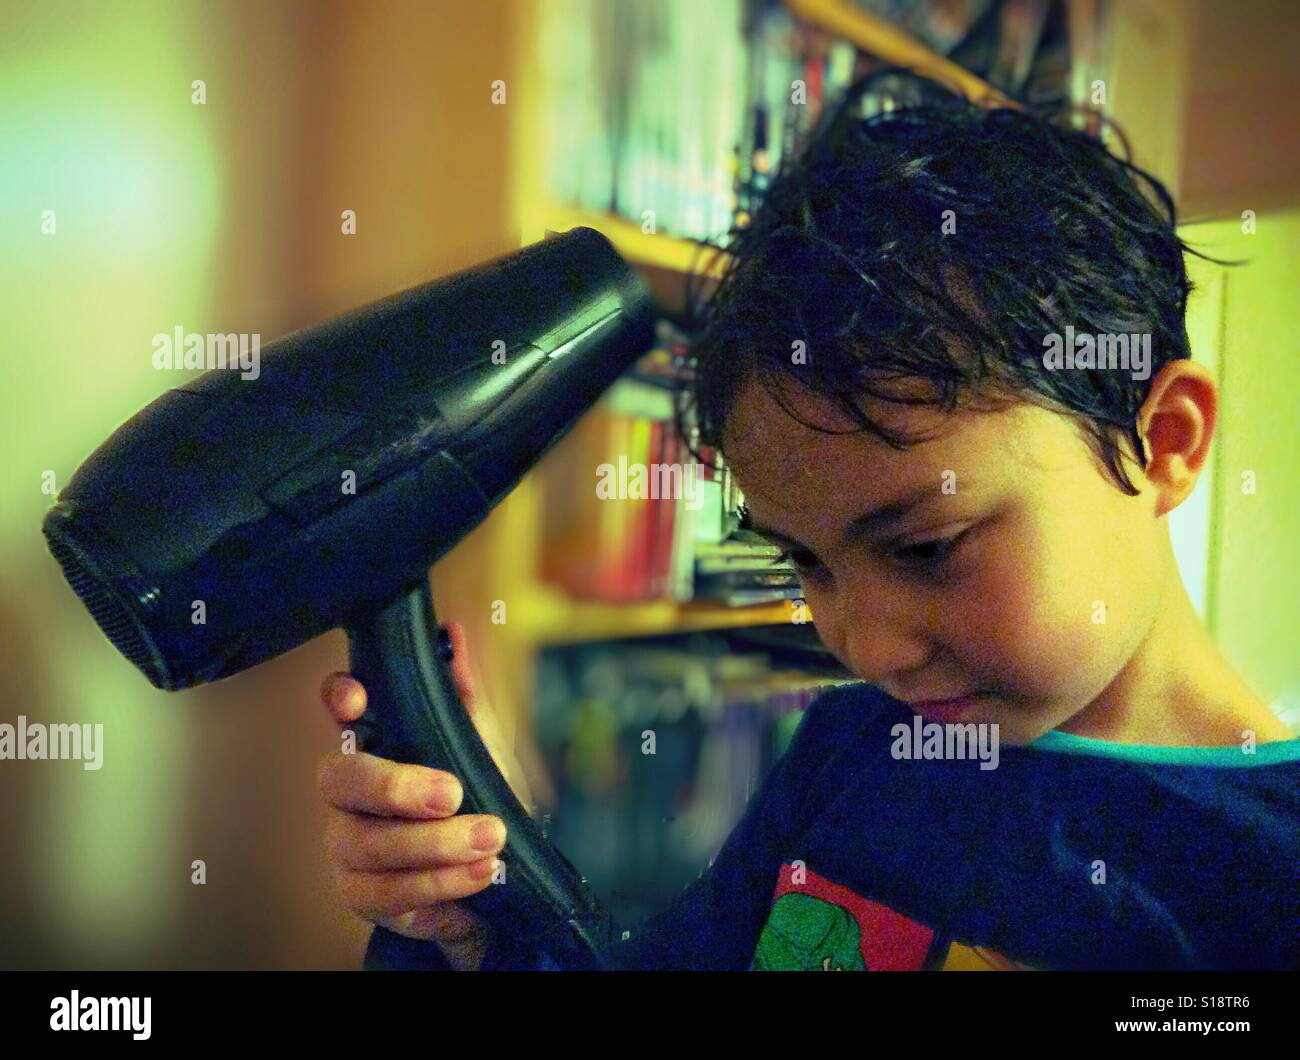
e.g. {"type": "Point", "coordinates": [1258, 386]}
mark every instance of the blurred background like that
{"type": "Point", "coordinates": [189, 164]}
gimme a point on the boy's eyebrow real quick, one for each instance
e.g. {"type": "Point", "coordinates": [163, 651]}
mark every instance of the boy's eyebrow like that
{"type": "Point", "coordinates": [872, 522]}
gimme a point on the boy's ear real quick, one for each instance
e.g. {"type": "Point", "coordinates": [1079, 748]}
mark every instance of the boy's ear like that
{"type": "Point", "coordinates": [1177, 422]}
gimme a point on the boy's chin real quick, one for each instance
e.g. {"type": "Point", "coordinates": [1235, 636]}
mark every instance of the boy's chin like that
{"type": "Point", "coordinates": [1016, 726]}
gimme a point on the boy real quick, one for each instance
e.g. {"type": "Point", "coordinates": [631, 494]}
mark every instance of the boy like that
{"type": "Point", "coordinates": [915, 369]}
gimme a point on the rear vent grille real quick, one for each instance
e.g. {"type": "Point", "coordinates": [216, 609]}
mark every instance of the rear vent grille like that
{"type": "Point", "coordinates": [110, 614]}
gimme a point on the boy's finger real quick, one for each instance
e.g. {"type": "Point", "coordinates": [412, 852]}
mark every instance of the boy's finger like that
{"type": "Point", "coordinates": [376, 896]}
{"type": "Point", "coordinates": [362, 783]}
{"type": "Point", "coordinates": [344, 696]}
{"type": "Point", "coordinates": [479, 710]}
{"type": "Point", "coordinates": [367, 843]}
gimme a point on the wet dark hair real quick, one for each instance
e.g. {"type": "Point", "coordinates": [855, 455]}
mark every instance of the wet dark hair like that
{"type": "Point", "coordinates": [847, 253]}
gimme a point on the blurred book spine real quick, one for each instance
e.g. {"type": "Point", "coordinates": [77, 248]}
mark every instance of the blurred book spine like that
{"type": "Point", "coordinates": [654, 749]}
{"type": "Point", "coordinates": [645, 115]}
{"type": "Point", "coordinates": [629, 515]}
{"type": "Point", "coordinates": [676, 115]}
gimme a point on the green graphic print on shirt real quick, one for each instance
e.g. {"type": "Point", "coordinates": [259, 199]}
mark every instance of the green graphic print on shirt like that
{"type": "Point", "coordinates": [815, 924]}
{"type": "Point", "coordinates": [806, 933]}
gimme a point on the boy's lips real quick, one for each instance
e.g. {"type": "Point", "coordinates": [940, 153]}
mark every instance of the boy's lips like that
{"type": "Point", "coordinates": [944, 710]}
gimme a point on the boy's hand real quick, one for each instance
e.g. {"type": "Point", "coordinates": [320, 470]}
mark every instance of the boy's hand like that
{"type": "Point", "coordinates": [399, 852]}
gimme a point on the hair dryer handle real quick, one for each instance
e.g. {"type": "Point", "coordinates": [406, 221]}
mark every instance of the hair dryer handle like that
{"type": "Point", "coordinates": [414, 714]}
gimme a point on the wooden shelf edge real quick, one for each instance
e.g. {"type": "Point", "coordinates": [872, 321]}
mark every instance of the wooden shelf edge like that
{"type": "Point", "coordinates": [886, 41]}
{"type": "Point", "coordinates": [662, 251]}
{"type": "Point", "coordinates": [551, 618]}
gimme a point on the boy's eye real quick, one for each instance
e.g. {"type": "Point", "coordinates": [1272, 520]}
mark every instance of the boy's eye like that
{"type": "Point", "coordinates": [923, 554]}
{"type": "Point", "coordinates": [926, 553]}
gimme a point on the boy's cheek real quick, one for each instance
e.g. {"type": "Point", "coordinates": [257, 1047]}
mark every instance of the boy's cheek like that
{"type": "Point", "coordinates": [1037, 632]}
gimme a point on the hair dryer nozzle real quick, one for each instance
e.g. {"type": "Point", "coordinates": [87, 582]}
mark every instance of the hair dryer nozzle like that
{"type": "Point", "coordinates": [112, 591]}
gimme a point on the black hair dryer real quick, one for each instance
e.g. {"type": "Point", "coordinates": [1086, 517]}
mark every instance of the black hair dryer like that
{"type": "Point", "coordinates": [316, 491]}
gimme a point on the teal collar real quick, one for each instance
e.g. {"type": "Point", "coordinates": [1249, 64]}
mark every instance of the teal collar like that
{"type": "Point", "coordinates": [1266, 754]}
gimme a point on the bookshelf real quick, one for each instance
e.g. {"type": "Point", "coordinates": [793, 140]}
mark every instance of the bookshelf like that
{"type": "Point", "coordinates": [841, 19]}
{"type": "Point", "coordinates": [555, 619]}
{"type": "Point", "coordinates": [542, 615]}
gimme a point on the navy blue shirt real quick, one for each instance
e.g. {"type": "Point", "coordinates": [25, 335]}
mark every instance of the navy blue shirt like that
{"type": "Point", "coordinates": [1071, 853]}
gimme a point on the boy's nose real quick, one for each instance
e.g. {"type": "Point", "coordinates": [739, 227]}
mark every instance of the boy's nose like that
{"type": "Point", "coordinates": [884, 657]}
{"type": "Point", "coordinates": [881, 636]}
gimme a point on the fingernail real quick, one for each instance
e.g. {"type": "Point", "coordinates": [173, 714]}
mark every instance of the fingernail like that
{"type": "Point", "coordinates": [481, 870]}
{"type": "Point", "coordinates": [444, 796]}
{"type": "Point", "coordinates": [488, 835]}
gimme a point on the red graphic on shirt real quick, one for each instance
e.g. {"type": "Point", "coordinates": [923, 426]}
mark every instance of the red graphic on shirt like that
{"type": "Point", "coordinates": [890, 942]}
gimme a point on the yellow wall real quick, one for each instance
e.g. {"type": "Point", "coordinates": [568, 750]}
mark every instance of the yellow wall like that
{"type": "Point", "coordinates": [1249, 312]}
{"type": "Point", "coordinates": [220, 217]}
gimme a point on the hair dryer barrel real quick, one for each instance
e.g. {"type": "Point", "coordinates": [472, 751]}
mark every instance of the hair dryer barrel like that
{"type": "Point", "coordinates": [234, 518]}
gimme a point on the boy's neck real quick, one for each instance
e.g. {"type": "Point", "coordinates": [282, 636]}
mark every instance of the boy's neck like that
{"type": "Point", "coordinates": [1177, 690]}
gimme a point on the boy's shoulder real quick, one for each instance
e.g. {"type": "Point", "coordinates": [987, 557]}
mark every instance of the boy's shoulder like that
{"type": "Point", "coordinates": [857, 719]}
{"type": "Point", "coordinates": [1067, 854]}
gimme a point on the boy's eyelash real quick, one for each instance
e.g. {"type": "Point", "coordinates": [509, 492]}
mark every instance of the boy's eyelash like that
{"type": "Point", "coordinates": [946, 545]}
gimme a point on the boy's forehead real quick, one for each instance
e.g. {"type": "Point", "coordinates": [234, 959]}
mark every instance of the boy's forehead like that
{"type": "Point", "coordinates": [784, 466]}
{"type": "Point", "coordinates": [764, 444]}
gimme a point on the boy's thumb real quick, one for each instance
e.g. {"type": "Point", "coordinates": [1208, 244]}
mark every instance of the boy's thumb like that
{"type": "Point", "coordinates": [461, 674]}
